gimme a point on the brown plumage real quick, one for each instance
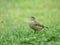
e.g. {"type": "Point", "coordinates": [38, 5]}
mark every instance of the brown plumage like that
{"type": "Point", "coordinates": [35, 25]}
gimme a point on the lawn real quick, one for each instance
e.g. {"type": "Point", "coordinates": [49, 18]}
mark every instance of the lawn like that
{"type": "Point", "coordinates": [14, 18]}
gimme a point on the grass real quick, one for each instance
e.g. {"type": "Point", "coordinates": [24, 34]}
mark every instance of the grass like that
{"type": "Point", "coordinates": [14, 17]}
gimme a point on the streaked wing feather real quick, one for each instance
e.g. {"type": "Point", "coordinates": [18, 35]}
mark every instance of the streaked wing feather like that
{"type": "Point", "coordinates": [37, 24]}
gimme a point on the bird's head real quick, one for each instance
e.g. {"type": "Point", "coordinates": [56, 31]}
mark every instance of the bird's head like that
{"type": "Point", "coordinates": [32, 18]}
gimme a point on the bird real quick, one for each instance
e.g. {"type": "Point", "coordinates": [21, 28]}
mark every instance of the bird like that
{"type": "Point", "coordinates": [35, 25]}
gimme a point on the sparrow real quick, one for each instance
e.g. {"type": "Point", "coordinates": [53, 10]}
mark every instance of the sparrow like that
{"type": "Point", "coordinates": [35, 25]}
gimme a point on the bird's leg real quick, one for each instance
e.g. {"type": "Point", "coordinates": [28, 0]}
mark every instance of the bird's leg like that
{"type": "Point", "coordinates": [34, 31]}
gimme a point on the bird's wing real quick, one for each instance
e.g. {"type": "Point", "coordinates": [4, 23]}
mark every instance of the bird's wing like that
{"type": "Point", "coordinates": [37, 24]}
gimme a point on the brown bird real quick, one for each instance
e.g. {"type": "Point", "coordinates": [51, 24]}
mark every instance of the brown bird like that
{"type": "Point", "coordinates": [35, 25]}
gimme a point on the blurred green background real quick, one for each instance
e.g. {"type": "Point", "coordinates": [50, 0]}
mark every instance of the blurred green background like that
{"type": "Point", "coordinates": [14, 18]}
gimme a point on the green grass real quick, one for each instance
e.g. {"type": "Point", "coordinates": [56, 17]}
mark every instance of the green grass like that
{"type": "Point", "coordinates": [14, 17]}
